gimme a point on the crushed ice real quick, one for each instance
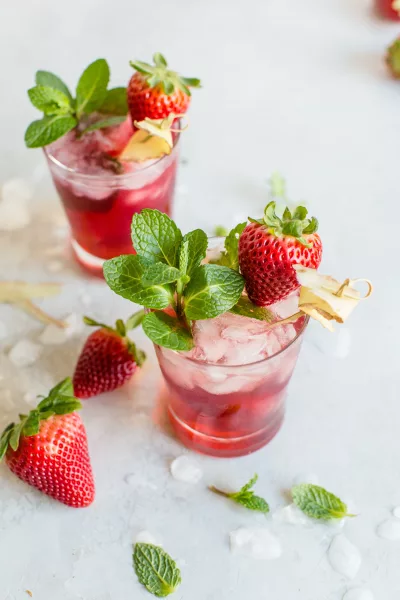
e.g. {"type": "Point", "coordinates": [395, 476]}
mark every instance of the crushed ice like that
{"type": "Point", "coordinates": [186, 469]}
{"type": "Point", "coordinates": [389, 529]}
{"type": "Point", "coordinates": [255, 542]}
{"type": "Point", "coordinates": [344, 557]}
{"type": "Point", "coordinates": [24, 353]}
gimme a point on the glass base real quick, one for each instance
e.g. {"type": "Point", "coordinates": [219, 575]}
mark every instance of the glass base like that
{"type": "Point", "coordinates": [225, 447]}
{"type": "Point", "coordinates": [89, 262]}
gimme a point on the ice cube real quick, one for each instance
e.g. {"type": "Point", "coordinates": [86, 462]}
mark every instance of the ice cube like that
{"type": "Point", "coordinates": [53, 335]}
{"type": "Point", "coordinates": [290, 514]}
{"type": "Point", "coordinates": [13, 216]}
{"type": "Point", "coordinates": [232, 384]}
{"type": "Point", "coordinates": [16, 191]}
{"type": "Point", "coordinates": [396, 512]}
{"type": "Point", "coordinates": [389, 529]}
{"type": "Point", "coordinates": [145, 537]}
{"type": "Point", "coordinates": [344, 557]}
{"type": "Point", "coordinates": [186, 469]}
{"type": "Point", "coordinates": [257, 543]}
{"type": "Point", "coordinates": [358, 594]}
{"type": "Point", "coordinates": [287, 307]}
{"type": "Point", "coordinates": [24, 353]}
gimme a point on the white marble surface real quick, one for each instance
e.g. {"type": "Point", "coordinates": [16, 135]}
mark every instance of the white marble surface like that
{"type": "Point", "coordinates": [298, 86]}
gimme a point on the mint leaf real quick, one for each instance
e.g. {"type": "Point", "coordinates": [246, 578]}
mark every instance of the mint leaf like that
{"type": "Point", "coordinates": [246, 308]}
{"type": "Point", "coordinates": [91, 90]}
{"type": "Point", "coordinates": [124, 275]}
{"type": "Point", "coordinates": [49, 100]}
{"type": "Point", "coordinates": [103, 123]}
{"type": "Point", "coordinates": [317, 503]}
{"type": "Point", "coordinates": [159, 273]}
{"type": "Point", "coordinates": [229, 257]}
{"type": "Point", "coordinates": [212, 291]}
{"type": "Point", "coordinates": [115, 102]}
{"type": "Point", "coordinates": [156, 237]}
{"type": "Point", "coordinates": [245, 496]}
{"type": "Point", "coordinates": [156, 570]}
{"type": "Point", "coordinates": [50, 80]}
{"type": "Point", "coordinates": [197, 249]}
{"type": "Point", "coordinates": [47, 130]}
{"type": "Point", "coordinates": [167, 331]}
{"type": "Point", "coordinates": [135, 320]}
{"type": "Point", "coordinates": [184, 257]}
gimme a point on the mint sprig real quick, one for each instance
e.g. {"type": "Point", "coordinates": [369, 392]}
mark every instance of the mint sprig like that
{"type": "Point", "coordinates": [62, 113]}
{"type": "Point", "coordinates": [317, 503]}
{"type": "Point", "coordinates": [230, 256]}
{"type": "Point", "coordinates": [166, 273]}
{"type": "Point", "coordinates": [245, 308]}
{"type": "Point", "coordinates": [245, 496]}
{"type": "Point", "coordinates": [156, 570]}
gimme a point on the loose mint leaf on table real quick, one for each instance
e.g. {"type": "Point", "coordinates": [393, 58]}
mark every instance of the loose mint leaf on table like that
{"type": "Point", "coordinates": [229, 257]}
{"type": "Point", "coordinates": [197, 249]}
{"type": "Point", "coordinates": [317, 503]}
{"type": "Point", "coordinates": [246, 308]}
{"type": "Point", "coordinates": [124, 275]}
{"type": "Point", "coordinates": [50, 80]}
{"type": "Point", "coordinates": [156, 237]}
{"type": "Point", "coordinates": [103, 123]}
{"type": "Point", "coordinates": [47, 130]}
{"type": "Point", "coordinates": [160, 273]}
{"type": "Point", "coordinates": [91, 90]}
{"type": "Point", "coordinates": [156, 570]}
{"type": "Point", "coordinates": [245, 496]}
{"type": "Point", "coordinates": [212, 290]}
{"type": "Point", "coordinates": [115, 102]}
{"type": "Point", "coordinates": [49, 100]}
{"type": "Point", "coordinates": [167, 331]}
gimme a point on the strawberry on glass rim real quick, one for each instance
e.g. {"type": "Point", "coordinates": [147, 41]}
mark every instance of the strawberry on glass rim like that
{"type": "Point", "coordinates": [48, 448]}
{"type": "Point", "coordinates": [271, 246]}
{"type": "Point", "coordinates": [155, 91]}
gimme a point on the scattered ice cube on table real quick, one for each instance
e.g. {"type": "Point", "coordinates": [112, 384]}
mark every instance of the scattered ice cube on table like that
{"type": "Point", "coordinates": [24, 353]}
{"type": "Point", "coordinates": [145, 537]}
{"type": "Point", "coordinates": [358, 594]}
{"type": "Point", "coordinates": [186, 469]}
{"type": "Point", "coordinates": [13, 216]}
{"type": "Point", "coordinates": [344, 557]}
{"type": "Point", "coordinates": [389, 529]}
{"type": "Point", "coordinates": [16, 190]}
{"type": "Point", "coordinates": [290, 514]}
{"type": "Point", "coordinates": [255, 542]}
{"type": "Point", "coordinates": [396, 512]}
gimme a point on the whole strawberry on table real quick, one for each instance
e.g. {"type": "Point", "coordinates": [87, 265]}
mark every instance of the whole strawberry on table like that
{"type": "Point", "coordinates": [48, 449]}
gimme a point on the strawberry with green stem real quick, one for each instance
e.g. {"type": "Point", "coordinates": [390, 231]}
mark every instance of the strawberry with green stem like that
{"type": "Point", "coordinates": [155, 91]}
{"type": "Point", "coordinates": [393, 58]}
{"type": "Point", "coordinates": [108, 359]}
{"type": "Point", "coordinates": [48, 448]}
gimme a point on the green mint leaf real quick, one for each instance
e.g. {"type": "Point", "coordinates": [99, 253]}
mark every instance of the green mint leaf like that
{"type": "Point", "coordinates": [245, 496]}
{"type": "Point", "coordinates": [197, 249]}
{"type": "Point", "coordinates": [135, 320]}
{"type": "Point", "coordinates": [156, 237]}
{"type": "Point", "coordinates": [50, 80]}
{"type": "Point", "coordinates": [246, 308]}
{"type": "Point", "coordinates": [212, 290]}
{"type": "Point", "coordinates": [124, 276]}
{"type": "Point", "coordinates": [103, 123]}
{"type": "Point", "coordinates": [115, 102]}
{"type": "Point", "coordinates": [184, 257]}
{"type": "Point", "coordinates": [229, 257]}
{"type": "Point", "coordinates": [156, 570]}
{"type": "Point", "coordinates": [167, 331]}
{"type": "Point", "coordinates": [160, 273]}
{"type": "Point", "coordinates": [47, 130]}
{"type": "Point", "coordinates": [49, 100]}
{"type": "Point", "coordinates": [317, 503]}
{"type": "Point", "coordinates": [91, 90]}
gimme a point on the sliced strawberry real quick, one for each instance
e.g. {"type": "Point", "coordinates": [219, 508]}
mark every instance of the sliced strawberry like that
{"type": "Point", "coordinates": [269, 248]}
{"type": "Point", "coordinates": [108, 359]}
{"type": "Point", "coordinates": [48, 449]}
{"type": "Point", "coordinates": [155, 91]}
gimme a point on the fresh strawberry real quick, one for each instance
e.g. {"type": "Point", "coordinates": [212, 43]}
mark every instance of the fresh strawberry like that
{"type": "Point", "coordinates": [155, 91]}
{"type": "Point", "coordinates": [393, 58]}
{"type": "Point", "coordinates": [48, 449]}
{"type": "Point", "coordinates": [108, 359]}
{"type": "Point", "coordinates": [269, 248]}
{"type": "Point", "coordinates": [389, 9]}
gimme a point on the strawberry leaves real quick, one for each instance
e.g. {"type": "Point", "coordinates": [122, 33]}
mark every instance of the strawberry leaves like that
{"type": "Point", "coordinates": [159, 75]}
{"type": "Point", "coordinates": [295, 225]}
{"type": "Point", "coordinates": [60, 401]}
{"type": "Point", "coordinates": [62, 113]}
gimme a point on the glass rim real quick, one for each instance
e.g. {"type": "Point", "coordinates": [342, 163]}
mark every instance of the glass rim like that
{"type": "Point", "coordinates": [109, 177]}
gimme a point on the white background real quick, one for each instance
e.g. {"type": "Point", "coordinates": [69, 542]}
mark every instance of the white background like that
{"type": "Point", "coordinates": [294, 85]}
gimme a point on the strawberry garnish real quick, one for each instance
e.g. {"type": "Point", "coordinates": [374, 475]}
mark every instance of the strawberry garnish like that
{"type": "Point", "coordinates": [155, 91]}
{"type": "Point", "coordinates": [48, 449]}
{"type": "Point", "coordinates": [393, 58]}
{"type": "Point", "coordinates": [108, 359]}
{"type": "Point", "coordinates": [268, 249]}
